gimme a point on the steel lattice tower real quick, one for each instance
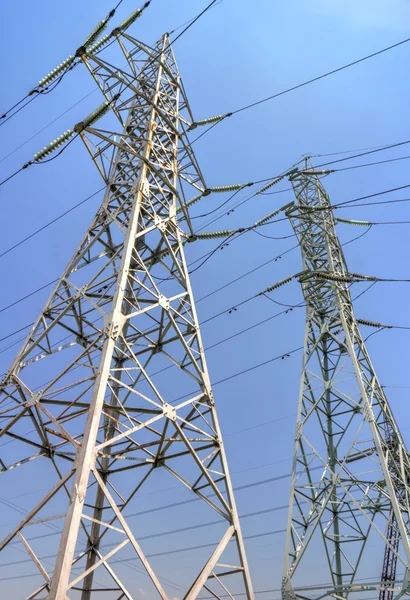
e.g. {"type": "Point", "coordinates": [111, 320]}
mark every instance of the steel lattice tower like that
{"type": "Point", "coordinates": [349, 491]}
{"type": "Point", "coordinates": [111, 386]}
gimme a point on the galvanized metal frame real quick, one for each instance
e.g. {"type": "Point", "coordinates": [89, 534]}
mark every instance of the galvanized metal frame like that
{"type": "Point", "coordinates": [124, 306]}
{"type": "Point", "coordinates": [350, 466]}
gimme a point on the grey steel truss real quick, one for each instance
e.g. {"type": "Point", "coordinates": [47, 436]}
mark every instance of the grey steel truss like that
{"type": "Point", "coordinates": [351, 469]}
{"type": "Point", "coordinates": [111, 385]}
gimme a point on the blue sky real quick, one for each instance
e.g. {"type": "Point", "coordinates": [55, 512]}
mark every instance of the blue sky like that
{"type": "Point", "coordinates": [237, 53]}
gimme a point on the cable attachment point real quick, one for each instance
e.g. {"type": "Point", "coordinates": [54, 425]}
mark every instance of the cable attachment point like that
{"type": "Point", "coordinates": [374, 324]}
{"type": "Point", "coordinates": [209, 121]}
{"type": "Point", "coordinates": [355, 222]}
{"type": "Point", "coordinates": [191, 238]}
{"type": "Point", "coordinates": [313, 172]}
{"type": "Point", "coordinates": [211, 235]}
{"type": "Point", "coordinates": [132, 18]}
{"type": "Point", "coordinates": [277, 285]}
{"type": "Point", "coordinates": [278, 179]}
{"type": "Point", "coordinates": [191, 202]}
{"type": "Point", "coordinates": [62, 139]}
{"type": "Point", "coordinates": [100, 43]}
{"type": "Point", "coordinates": [95, 114]}
{"type": "Point", "coordinates": [54, 73]}
{"type": "Point", "coordinates": [229, 188]}
{"type": "Point", "coordinates": [272, 214]}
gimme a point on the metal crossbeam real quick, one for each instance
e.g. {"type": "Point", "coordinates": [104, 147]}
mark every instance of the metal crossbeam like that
{"type": "Point", "coordinates": [88, 378]}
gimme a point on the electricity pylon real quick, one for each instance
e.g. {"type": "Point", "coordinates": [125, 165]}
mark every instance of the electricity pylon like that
{"type": "Point", "coordinates": [349, 490]}
{"type": "Point", "coordinates": [111, 386]}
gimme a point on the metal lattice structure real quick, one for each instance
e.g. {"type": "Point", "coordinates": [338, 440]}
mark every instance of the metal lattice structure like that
{"type": "Point", "coordinates": [349, 492]}
{"type": "Point", "coordinates": [111, 386]}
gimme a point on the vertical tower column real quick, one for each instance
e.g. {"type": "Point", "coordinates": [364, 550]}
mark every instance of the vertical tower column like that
{"type": "Point", "coordinates": [350, 465]}
{"type": "Point", "coordinates": [127, 392]}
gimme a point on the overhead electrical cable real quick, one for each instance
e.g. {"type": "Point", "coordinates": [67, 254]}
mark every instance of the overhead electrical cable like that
{"type": "Point", "coordinates": [381, 149]}
{"type": "Point", "coordinates": [92, 43]}
{"type": "Point", "coordinates": [274, 259]}
{"type": "Point", "coordinates": [49, 223]}
{"type": "Point", "coordinates": [228, 378]}
{"type": "Point", "coordinates": [194, 20]}
{"type": "Point", "coordinates": [338, 205]}
{"type": "Point", "coordinates": [379, 162]}
{"type": "Point", "coordinates": [77, 103]}
{"type": "Point", "coordinates": [220, 118]}
{"type": "Point", "coordinates": [100, 111]}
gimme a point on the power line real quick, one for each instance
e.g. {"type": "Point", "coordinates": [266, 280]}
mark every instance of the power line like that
{"type": "Point", "coordinates": [14, 332]}
{"type": "Point", "coordinates": [76, 103]}
{"type": "Point", "coordinates": [42, 162]}
{"type": "Point", "coordinates": [126, 87]}
{"type": "Point", "coordinates": [300, 85]}
{"type": "Point", "coordinates": [248, 370]}
{"type": "Point", "coordinates": [338, 205]}
{"type": "Point", "coordinates": [191, 19]}
{"type": "Point", "coordinates": [377, 203]}
{"type": "Point", "coordinates": [48, 125]}
{"type": "Point", "coordinates": [333, 162]}
{"type": "Point", "coordinates": [191, 527]}
{"type": "Point", "coordinates": [309, 155]}
{"type": "Point", "coordinates": [358, 236]}
{"type": "Point", "coordinates": [380, 162]}
{"type": "Point", "coordinates": [240, 277]}
{"type": "Point", "coordinates": [228, 310]}
{"type": "Point", "coordinates": [194, 21]}
{"type": "Point", "coordinates": [75, 206]}
{"type": "Point", "coordinates": [374, 195]}
{"type": "Point", "coordinates": [60, 216]}
{"type": "Point", "coordinates": [244, 371]}
{"type": "Point", "coordinates": [289, 90]}
{"type": "Point", "coordinates": [28, 295]}
{"type": "Point", "coordinates": [7, 118]}
{"type": "Point", "coordinates": [36, 92]}
{"type": "Point", "coordinates": [314, 79]}
{"type": "Point", "coordinates": [206, 214]}
{"type": "Point", "coordinates": [160, 508]}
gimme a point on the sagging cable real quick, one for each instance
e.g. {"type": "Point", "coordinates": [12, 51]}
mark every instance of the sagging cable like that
{"type": "Point", "coordinates": [209, 121]}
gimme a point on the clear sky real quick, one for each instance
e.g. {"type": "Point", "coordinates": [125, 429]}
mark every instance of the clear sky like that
{"type": "Point", "coordinates": [237, 53]}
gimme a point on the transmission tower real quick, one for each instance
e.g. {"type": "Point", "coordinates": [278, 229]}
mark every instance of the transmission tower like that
{"type": "Point", "coordinates": [349, 491]}
{"type": "Point", "coordinates": [110, 391]}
